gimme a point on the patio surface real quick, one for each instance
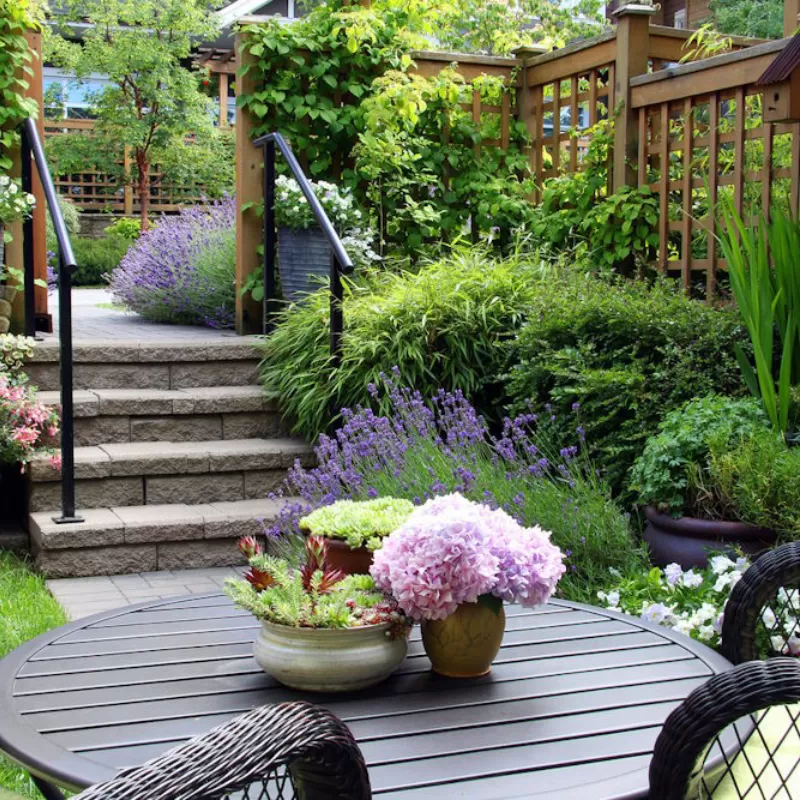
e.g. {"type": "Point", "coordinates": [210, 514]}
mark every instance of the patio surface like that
{"type": "Point", "coordinates": [92, 319]}
{"type": "Point", "coordinates": [82, 597]}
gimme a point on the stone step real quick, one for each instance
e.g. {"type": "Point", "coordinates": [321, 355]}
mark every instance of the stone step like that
{"type": "Point", "coordinates": [145, 538]}
{"type": "Point", "coordinates": [155, 473]}
{"type": "Point", "coordinates": [137, 365]}
{"type": "Point", "coordinates": [114, 416]}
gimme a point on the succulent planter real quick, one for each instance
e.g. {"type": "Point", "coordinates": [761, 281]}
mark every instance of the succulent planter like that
{"type": "Point", "coordinates": [464, 644]}
{"type": "Point", "coordinates": [328, 660]}
{"type": "Point", "coordinates": [688, 541]}
{"type": "Point", "coordinates": [304, 256]}
{"type": "Point", "coordinates": [350, 561]}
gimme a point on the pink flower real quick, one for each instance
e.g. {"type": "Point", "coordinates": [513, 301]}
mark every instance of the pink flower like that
{"type": "Point", "coordinates": [55, 461]}
{"type": "Point", "coordinates": [451, 551]}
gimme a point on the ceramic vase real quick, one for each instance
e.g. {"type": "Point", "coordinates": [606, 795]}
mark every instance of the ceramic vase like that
{"type": "Point", "coordinates": [465, 644]}
{"type": "Point", "coordinates": [328, 660]}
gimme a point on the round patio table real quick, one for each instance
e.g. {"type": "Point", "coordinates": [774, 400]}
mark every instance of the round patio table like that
{"type": "Point", "coordinates": [572, 707]}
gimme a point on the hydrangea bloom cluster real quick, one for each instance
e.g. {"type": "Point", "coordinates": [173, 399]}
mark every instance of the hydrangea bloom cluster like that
{"type": "Point", "coordinates": [451, 551]}
{"type": "Point", "coordinates": [183, 270]}
{"type": "Point", "coordinates": [25, 423]}
{"type": "Point", "coordinates": [693, 601]}
{"type": "Point", "coordinates": [14, 203]}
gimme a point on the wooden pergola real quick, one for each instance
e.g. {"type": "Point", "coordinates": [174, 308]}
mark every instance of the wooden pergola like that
{"type": "Point", "coordinates": [222, 63]}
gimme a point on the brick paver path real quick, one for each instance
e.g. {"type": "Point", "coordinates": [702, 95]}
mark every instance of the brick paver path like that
{"type": "Point", "coordinates": [91, 322]}
{"type": "Point", "coordinates": [82, 597]}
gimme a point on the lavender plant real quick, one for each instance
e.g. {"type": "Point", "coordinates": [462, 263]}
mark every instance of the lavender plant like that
{"type": "Point", "coordinates": [183, 270]}
{"type": "Point", "coordinates": [422, 448]}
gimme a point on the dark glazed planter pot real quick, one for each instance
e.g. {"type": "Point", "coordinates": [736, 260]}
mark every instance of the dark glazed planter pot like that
{"type": "Point", "coordinates": [13, 500]}
{"type": "Point", "coordinates": [303, 258]}
{"type": "Point", "coordinates": [351, 562]}
{"type": "Point", "coordinates": [688, 541]}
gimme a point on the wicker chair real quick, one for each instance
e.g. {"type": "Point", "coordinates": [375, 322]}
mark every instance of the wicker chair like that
{"type": "Point", "coordinates": [763, 758]}
{"type": "Point", "coordinates": [280, 751]}
{"type": "Point", "coordinates": [762, 611]}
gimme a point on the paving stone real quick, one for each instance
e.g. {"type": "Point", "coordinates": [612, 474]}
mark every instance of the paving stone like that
{"type": "Point", "coordinates": [176, 428]}
{"type": "Point", "coordinates": [97, 560]}
{"type": "Point", "coordinates": [104, 493]}
{"type": "Point", "coordinates": [76, 612]}
{"type": "Point", "coordinates": [160, 523]}
{"type": "Point", "coordinates": [121, 376]}
{"type": "Point", "coordinates": [128, 583]}
{"type": "Point", "coordinates": [213, 373]}
{"type": "Point", "coordinates": [157, 458]}
{"type": "Point", "coordinates": [208, 553]}
{"type": "Point", "coordinates": [218, 399]}
{"type": "Point", "coordinates": [101, 528]}
{"type": "Point", "coordinates": [84, 402]}
{"type": "Point", "coordinates": [195, 489]}
{"type": "Point", "coordinates": [132, 402]}
{"type": "Point", "coordinates": [102, 430]}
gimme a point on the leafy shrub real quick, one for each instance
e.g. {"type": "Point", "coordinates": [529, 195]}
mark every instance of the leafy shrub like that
{"type": "Point", "coordinates": [442, 327]}
{"type": "Point", "coordinates": [183, 270]}
{"type": "Point", "coordinates": [125, 228]}
{"type": "Point", "coordinates": [672, 472]}
{"type": "Point", "coordinates": [436, 445]}
{"type": "Point", "coordinates": [97, 259]}
{"type": "Point", "coordinates": [626, 353]}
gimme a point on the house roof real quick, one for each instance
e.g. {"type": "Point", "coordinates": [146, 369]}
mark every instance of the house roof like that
{"type": "Point", "coordinates": [785, 63]}
{"type": "Point", "coordinates": [234, 11]}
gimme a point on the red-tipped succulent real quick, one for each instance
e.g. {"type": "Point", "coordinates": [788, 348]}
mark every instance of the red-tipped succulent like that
{"type": "Point", "coordinates": [249, 546]}
{"type": "Point", "coordinates": [257, 578]}
{"type": "Point", "coordinates": [316, 557]}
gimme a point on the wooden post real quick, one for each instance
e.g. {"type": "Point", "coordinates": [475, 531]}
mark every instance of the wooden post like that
{"type": "Point", "coordinates": [223, 99]}
{"type": "Point", "coordinates": [529, 105]}
{"type": "Point", "coordinates": [633, 40]}
{"type": "Point", "coordinates": [249, 186]}
{"type": "Point", "coordinates": [791, 10]}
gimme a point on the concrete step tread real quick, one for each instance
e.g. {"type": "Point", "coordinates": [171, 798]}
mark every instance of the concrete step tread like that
{"type": "Point", "coordinates": [146, 402]}
{"type": "Point", "coordinates": [109, 527]}
{"type": "Point", "coordinates": [177, 458]}
{"type": "Point", "coordinates": [227, 348]}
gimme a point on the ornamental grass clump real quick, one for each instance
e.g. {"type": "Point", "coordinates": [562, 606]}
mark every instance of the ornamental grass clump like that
{"type": "Point", "coordinates": [312, 595]}
{"type": "Point", "coordinates": [452, 551]}
{"type": "Point", "coordinates": [359, 523]}
{"type": "Point", "coordinates": [423, 448]}
{"type": "Point", "coordinates": [183, 270]}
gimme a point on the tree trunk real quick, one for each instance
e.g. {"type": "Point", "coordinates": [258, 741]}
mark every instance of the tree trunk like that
{"type": "Point", "coordinates": [143, 167]}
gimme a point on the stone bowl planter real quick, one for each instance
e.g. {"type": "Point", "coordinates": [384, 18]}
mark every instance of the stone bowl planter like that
{"type": "Point", "coordinates": [303, 258]}
{"type": "Point", "coordinates": [350, 561]}
{"type": "Point", "coordinates": [688, 541]}
{"type": "Point", "coordinates": [328, 660]}
{"type": "Point", "coordinates": [7, 296]}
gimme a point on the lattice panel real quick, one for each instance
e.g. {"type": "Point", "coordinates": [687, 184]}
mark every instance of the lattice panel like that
{"type": "Point", "coordinates": [700, 152]}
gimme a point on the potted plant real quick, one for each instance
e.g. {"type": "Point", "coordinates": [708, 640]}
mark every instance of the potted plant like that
{"type": "Point", "coordinates": [14, 205]}
{"type": "Point", "coordinates": [452, 564]}
{"type": "Point", "coordinates": [304, 254]}
{"type": "Point", "coordinates": [355, 529]}
{"type": "Point", "coordinates": [716, 477]}
{"type": "Point", "coordinates": [321, 630]}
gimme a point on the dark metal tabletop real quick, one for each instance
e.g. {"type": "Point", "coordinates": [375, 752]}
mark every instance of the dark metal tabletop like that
{"type": "Point", "coordinates": [571, 709]}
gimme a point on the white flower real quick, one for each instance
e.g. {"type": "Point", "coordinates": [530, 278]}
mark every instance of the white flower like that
{"type": "Point", "coordinates": [612, 598]}
{"type": "Point", "coordinates": [718, 623]}
{"type": "Point", "coordinates": [742, 564]}
{"type": "Point", "coordinates": [720, 564]}
{"type": "Point", "coordinates": [692, 579]}
{"type": "Point", "coordinates": [705, 633]}
{"type": "Point", "coordinates": [723, 582]}
{"type": "Point", "coordinates": [656, 612]}
{"type": "Point", "coordinates": [683, 626]}
{"type": "Point", "coordinates": [707, 612]}
{"type": "Point", "coordinates": [673, 573]}
{"type": "Point", "coordinates": [768, 617]}
{"type": "Point", "coordinates": [794, 645]}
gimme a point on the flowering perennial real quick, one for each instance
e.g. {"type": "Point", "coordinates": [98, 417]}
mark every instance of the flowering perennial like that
{"type": "Point", "coordinates": [693, 601]}
{"type": "Point", "coordinates": [14, 203]}
{"type": "Point", "coordinates": [451, 551]}
{"type": "Point", "coordinates": [25, 423]}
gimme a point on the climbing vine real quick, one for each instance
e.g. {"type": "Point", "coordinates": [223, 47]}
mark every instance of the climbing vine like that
{"type": "Point", "coordinates": [16, 17]}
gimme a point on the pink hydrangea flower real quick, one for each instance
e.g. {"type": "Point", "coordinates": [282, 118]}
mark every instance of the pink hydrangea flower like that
{"type": "Point", "coordinates": [451, 551]}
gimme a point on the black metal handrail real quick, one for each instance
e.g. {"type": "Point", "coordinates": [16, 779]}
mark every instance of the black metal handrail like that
{"type": "Point", "coordinates": [340, 260]}
{"type": "Point", "coordinates": [33, 153]}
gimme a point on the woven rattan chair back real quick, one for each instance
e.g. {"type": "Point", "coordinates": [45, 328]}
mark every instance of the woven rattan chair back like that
{"type": "Point", "coordinates": [762, 615]}
{"type": "Point", "coordinates": [736, 736]}
{"type": "Point", "coordinates": [272, 753]}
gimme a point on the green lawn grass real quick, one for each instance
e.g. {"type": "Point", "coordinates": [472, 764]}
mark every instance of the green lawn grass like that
{"type": "Point", "coordinates": [26, 610]}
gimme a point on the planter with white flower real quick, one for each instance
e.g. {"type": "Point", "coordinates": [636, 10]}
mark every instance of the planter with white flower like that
{"type": "Point", "coordinates": [452, 564]}
{"type": "Point", "coordinates": [304, 255]}
{"type": "Point", "coordinates": [355, 529]}
{"type": "Point", "coordinates": [15, 205]}
{"type": "Point", "coordinates": [321, 630]}
{"type": "Point", "coordinates": [716, 478]}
